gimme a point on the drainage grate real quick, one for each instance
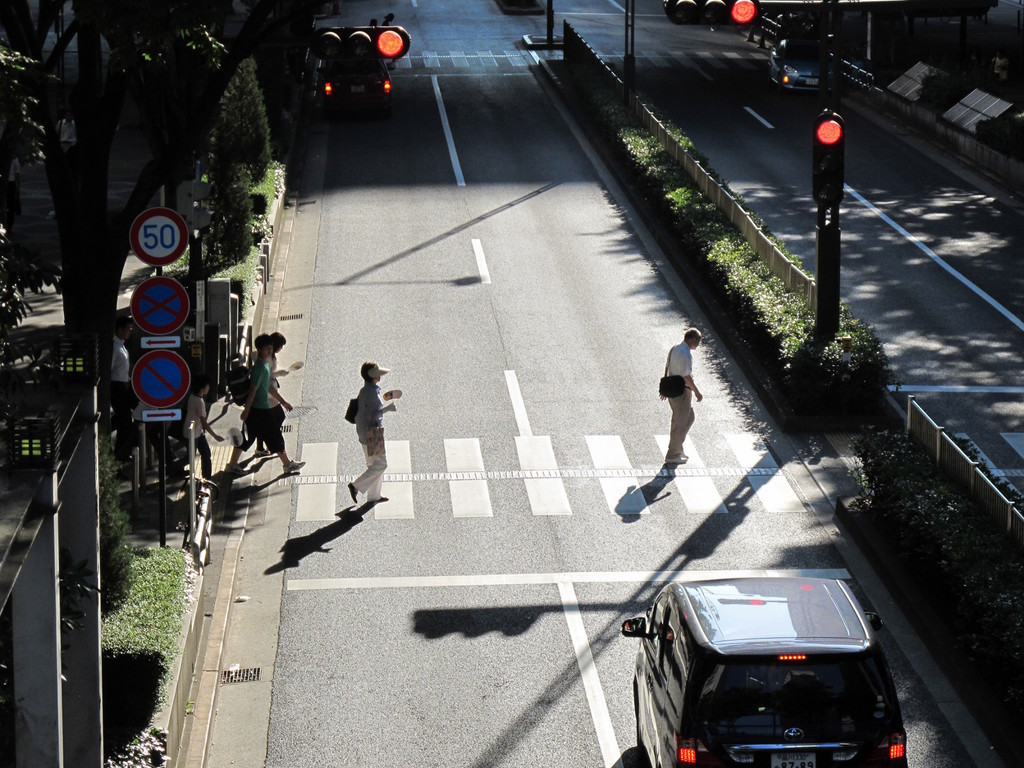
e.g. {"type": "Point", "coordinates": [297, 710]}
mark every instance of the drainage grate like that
{"type": "Point", "coordinates": [250, 675]}
{"type": "Point", "coordinates": [286, 428]}
{"type": "Point", "coordinates": [299, 316]}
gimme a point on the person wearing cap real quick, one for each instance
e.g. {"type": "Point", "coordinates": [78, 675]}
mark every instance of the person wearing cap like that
{"type": "Point", "coordinates": [370, 430]}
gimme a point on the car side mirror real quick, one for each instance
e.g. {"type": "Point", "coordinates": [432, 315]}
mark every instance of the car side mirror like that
{"type": "Point", "coordinates": [874, 620]}
{"type": "Point", "coordinates": [635, 627]}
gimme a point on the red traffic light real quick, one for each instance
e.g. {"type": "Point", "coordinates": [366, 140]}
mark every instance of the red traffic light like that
{"type": "Point", "coordinates": [828, 132]}
{"type": "Point", "coordinates": [743, 11]}
{"type": "Point", "coordinates": [361, 43]}
{"type": "Point", "coordinates": [390, 44]}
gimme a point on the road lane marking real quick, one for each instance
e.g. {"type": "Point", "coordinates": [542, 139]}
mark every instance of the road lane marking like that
{"type": "Point", "coordinates": [574, 577]}
{"type": "Point", "coordinates": [546, 494]}
{"type": "Point", "coordinates": [481, 262]}
{"type": "Point", "coordinates": [318, 502]}
{"type": "Point", "coordinates": [398, 490]}
{"type": "Point", "coordinates": [759, 119]}
{"type": "Point", "coordinates": [698, 492]}
{"type": "Point", "coordinates": [958, 389]}
{"type": "Point", "coordinates": [623, 493]}
{"type": "Point", "coordinates": [938, 260]}
{"type": "Point", "coordinates": [470, 497]}
{"type": "Point", "coordinates": [518, 405]}
{"type": "Point", "coordinates": [459, 179]}
{"type": "Point", "coordinates": [591, 680]}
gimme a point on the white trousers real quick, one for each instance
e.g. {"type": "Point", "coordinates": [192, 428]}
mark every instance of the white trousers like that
{"type": "Point", "coordinates": [370, 481]}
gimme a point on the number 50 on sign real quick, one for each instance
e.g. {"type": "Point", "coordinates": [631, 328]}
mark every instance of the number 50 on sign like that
{"type": "Point", "coordinates": [159, 236]}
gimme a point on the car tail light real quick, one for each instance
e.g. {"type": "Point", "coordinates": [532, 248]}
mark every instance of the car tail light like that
{"type": "Point", "coordinates": [387, 86]}
{"type": "Point", "coordinates": [693, 752]}
{"type": "Point", "coordinates": [890, 752]}
{"type": "Point", "coordinates": [328, 89]}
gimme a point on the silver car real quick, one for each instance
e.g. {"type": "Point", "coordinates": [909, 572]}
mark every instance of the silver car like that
{"type": "Point", "coordinates": [794, 65]}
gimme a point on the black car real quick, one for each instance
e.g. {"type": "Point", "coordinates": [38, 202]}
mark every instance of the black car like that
{"type": "Point", "coordinates": [355, 85]}
{"type": "Point", "coordinates": [774, 672]}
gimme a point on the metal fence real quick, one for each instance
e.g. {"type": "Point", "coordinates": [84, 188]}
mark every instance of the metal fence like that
{"type": "Point", "coordinates": [578, 51]}
{"type": "Point", "coordinates": [963, 470]}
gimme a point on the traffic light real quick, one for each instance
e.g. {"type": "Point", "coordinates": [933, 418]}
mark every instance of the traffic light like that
{"type": "Point", "coordinates": [827, 160]}
{"type": "Point", "coordinates": [191, 194]}
{"type": "Point", "coordinates": [710, 11]}
{"type": "Point", "coordinates": [361, 43]}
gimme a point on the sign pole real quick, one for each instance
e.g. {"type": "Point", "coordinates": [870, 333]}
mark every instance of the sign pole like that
{"type": "Point", "coordinates": [163, 484]}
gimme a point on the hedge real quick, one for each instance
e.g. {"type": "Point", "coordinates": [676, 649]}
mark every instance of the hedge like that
{"type": "Point", "coordinates": [965, 565]}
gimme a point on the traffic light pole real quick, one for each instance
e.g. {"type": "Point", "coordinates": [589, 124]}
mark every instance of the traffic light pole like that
{"type": "Point", "coordinates": [628, 58]}
{"type": "Point", "coordinates": [827, 236]}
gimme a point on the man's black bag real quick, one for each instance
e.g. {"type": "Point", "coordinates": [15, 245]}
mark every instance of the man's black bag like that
{"type": "Point", "coordinates": [353, 408]}
{"type": "Point", "coordinates": [671, 386]}
{"type": "Point", "coordinates": [238, 384]}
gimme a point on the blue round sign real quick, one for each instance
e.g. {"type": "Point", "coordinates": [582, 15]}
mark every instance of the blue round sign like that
{"type": "Point", "coordinates": [160, 305]}
{"type": "Point", "coordinates": [161, 378]}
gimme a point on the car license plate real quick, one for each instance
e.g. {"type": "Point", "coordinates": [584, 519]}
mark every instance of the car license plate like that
{"type": "Point", "coordinates": [358, 88]}
{"type": "Point", "coordinates": [793, 760]}
{"type": "Point", "coordinates": [812, 81]}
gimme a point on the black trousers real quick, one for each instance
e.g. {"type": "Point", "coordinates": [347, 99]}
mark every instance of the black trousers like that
{"type": "Point", "coordinates": [122, 403]}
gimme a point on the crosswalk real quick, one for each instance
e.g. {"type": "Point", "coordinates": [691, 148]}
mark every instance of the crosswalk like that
{"type": "Point", "coordinates": [322, 490]}
{"type": "Point", "coordinates": [703, 61]}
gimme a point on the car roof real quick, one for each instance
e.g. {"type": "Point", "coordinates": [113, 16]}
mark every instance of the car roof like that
{"type": "Point", "coordinates": [774, 614]}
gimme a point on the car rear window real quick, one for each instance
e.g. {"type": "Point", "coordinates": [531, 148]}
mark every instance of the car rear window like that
{"type": "Point", "coordinates": [826, 699]}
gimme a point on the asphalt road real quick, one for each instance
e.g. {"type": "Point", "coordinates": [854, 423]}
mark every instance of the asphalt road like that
{"type": "Point", "coordinates": [473, 245]}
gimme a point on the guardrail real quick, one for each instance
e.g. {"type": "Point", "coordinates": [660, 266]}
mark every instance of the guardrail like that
{"type": "Point", "coordinates": [963, 470]}
{"type": "Point", "coordinates": [797, 281]}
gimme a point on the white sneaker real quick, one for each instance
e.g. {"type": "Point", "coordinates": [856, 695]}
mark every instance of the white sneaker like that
{"type": "Point", "coordinates": [237, 471]}
{"type": "Point", "coordinates": [294, 467]}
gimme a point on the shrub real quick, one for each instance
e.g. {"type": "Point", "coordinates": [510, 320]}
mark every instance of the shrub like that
{"type": "Point", "coordinates": [942, 90]}
{"type": "Point", "coordinates": [775, 324]}
{"type": "Point", "coordinates": [1005, 134]}
{"type": "Point", "coordinates": [115, 555]}
{"type": "Point", "coordinates": [140, 638]}
{"type": "Point", "coordinates": [966, 566]}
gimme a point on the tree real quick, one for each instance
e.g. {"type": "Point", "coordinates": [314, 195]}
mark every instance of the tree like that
{"type": "Point", "coordinates": [20, 272]}
{"type": "Point", "coordinates": [174, 60]}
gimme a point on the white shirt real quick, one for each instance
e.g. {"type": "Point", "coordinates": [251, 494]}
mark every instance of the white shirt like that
{"type": "Point", "coordinates": [119, 365]}
{"type": "Point", "coordinates": [680, 360]}
{"type": "Point", "coordinates": [195, 413]}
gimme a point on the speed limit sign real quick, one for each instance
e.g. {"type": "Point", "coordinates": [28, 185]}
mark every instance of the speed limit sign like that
{"type": "Point", "coordinates": [159, 236]}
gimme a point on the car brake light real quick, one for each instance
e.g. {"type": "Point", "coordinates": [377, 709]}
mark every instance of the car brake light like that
{"type": "Point", "coordinates": [891, 751]}
{"type": "Point", "coordinates": [327, 89]}
{"type": "Point", "coordinates": [793, 657]}
{"type": "Point", "coordinates": [693, 752]}
{"type": "Point", "coordinates": [387, 86]}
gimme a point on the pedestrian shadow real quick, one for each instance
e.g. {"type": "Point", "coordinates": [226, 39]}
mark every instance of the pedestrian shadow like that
{"type": "Point", "coordinates": [637, 498]}
{"type": "Point", "coordinates": [294, 550]}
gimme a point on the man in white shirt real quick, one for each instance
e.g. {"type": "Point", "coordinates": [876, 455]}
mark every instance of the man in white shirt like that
{"type": "Point", "coordinates": [122, 399]}
{"type": "Point", "coordinates": [680, 363]}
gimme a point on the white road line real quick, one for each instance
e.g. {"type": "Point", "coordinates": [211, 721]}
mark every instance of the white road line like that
{"type": "Point", "coordinates": [529, 579]}
{"type": "Point", "coordinates": [546, 494]}
{"type": "Point", "coordinates": [518, 406]}
{"type": "Point", "coordinates": [940, 261]}
{"type": "Point", "coordinates": [591, 681]}
{"type": "Point", "coordinates": [459, 179]}
{"type": "Point", "coordinates": [470, 498]}
{"type": "Point", "coordinates": [481, 262]}
{"type": "Point", "coordinates": [399, 492]}
{"type": "Point", "coordinates": [318, 502]}
{"type": "Point", "coordinates": [957, 388]}
{"type": "Point", "coordinates": [759, 119]}
{"type": "Point", "coordinates": [622, 494]}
